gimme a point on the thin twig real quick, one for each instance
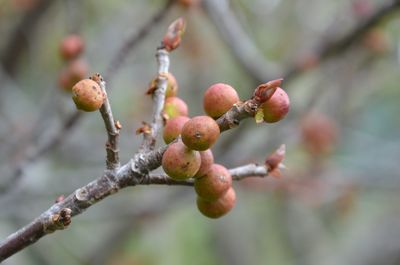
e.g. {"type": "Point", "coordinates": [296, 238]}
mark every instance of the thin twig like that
{"type": "Point", "coordinates": [112, 150]}
{"type": "Point", "coordinates": [149, 138]}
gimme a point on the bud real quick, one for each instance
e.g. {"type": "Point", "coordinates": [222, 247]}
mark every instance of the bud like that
{"type": "Point", "coordinates": [274, 161]}
{"type": "Point", "coordinates": [172, 38]}
{"type": "Point", "coordinates": [266, 91]}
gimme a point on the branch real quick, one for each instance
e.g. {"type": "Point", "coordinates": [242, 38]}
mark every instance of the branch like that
{"type": "Point", "coordinates": [149, 139]}
{"type": "Point", "coordinates": [241, 45]}
{"type": "Point", "coordinates": [238, 173]}
{"type": "Point", "coordinates": [340, 45]}
{"type": "Point", "coordinates": [112, 128]}
{"type": "Point", "coordinates": [73, 119]}
{"type": "Point", "coordinates": [249, 56]}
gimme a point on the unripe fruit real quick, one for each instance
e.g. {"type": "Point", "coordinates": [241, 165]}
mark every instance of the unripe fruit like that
{"type": "Point", "coordinates": [75, 71]}
{"type": "Point", "coordinates": [175, 107]}
{"type": "Point", "coordinates": [276, 108]}
{"type": "Point", "coordinates": [87, 95]}
{"type": "Point", "coordinates": [200, 133]}
{"type": "Point", "coordinates": [218, 99]}
{"type": "Point", "coordinates": [214, 184]}
{"type": "Point", "coordinates": [180, 162]}
{"type": "Point", "coordinates": [172, 86]}
{"type": "Point", "coordinates": [207, 160]}
{"type": "Point", "coordinates": [218, 208]}
{"type": "Point", "coordinates": [71, 47]}
{"type": "Point", "coordinates": [173, 128]}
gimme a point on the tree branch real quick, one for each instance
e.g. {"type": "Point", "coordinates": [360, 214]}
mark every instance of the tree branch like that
{"type": "Point", "coordinates": [112, 149]}
{"type": "Point", "coordinates": [73, 119]}
{"type": "Point", "coordinates": [149, 138]}
{"type": "Point", "coordinates": [249, 55]}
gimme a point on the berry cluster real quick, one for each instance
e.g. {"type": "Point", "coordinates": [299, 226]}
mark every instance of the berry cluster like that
{"type": "Point", "coordinates": [190, 155]}
{"type": "Point", "coordinates": [71, 49]}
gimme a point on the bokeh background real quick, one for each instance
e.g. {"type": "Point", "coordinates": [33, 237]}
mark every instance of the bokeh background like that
{"type": "Point", "coordinates": [338, 199]}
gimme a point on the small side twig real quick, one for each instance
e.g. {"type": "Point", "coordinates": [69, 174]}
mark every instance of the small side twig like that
{"type": "Point", "coordinates": [112, 127]}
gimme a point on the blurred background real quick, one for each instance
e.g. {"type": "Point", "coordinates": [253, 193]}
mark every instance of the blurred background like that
{"type": "Point", "coordinates": [337, 201]}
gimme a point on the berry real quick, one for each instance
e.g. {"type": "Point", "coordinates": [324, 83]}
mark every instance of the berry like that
{"type": "Point", "coordinates": [172, 86]}
{"type": "Point", "coordinates": [214, 184]}
{"type": "Point", "coordinates": [180, 162]}
{"type": "Point", "coordinates": [173, 128]}
{"type": "Point", "coordinates": [71, 47]}
{"type": "Point", "coordinates": [75, 71]}
{"type": "Point", "coordinates": [200, 133]}
{"type": "Point", "coordinates": [189, 3]}
{"type": "Point", "coordinates": [207, 160]}
{"type": "Point", "coordinates": [87, 95]}
{"type": "Point", "coordinates": [276, 108]}
{"type": "Point", "coordinates": [175, 107]}
{"type": "Point", "coordinates": [218, 99]}
{"type": "Point", "coordinates": [218, 208]}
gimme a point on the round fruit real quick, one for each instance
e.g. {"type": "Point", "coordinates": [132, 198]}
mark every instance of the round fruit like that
{"type": "Point", "coordinates": [218, 99]}
{"type": "Point", "coordinates": [173, 128]}
{"type": "Point", "coordinates": [276, 108]}
{"type": "Point", "coordinates": [214, 184]}
{"type": "Point", "coordinates": [172, 86]}
{"type": "Point", "coordinates": [175, 107]}
{"type": "Point", "coordinates": [87, 95]}
{"type": "Point", "coordinates": [75, 71]}
{"type": "Point", "coordinates": [219, 207]}
{"type": "Point", "coordinates": [200, 133]}
{"type": "Point", "coordinates": [207, 160]}
{"type": "Point", "coordinates": [180, 162]}
{"type": "Point", "coordinates": [71, 46]}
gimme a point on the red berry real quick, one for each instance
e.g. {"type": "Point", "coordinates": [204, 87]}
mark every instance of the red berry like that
{"type": "Point", "coordinates": [214, 184]}
{"type": "Point", "coordinates": [173, 128]}
{"type": "Point", "coordinates": [74, 72]}
{"type": "Point", "coordinates": [218, 99]}
{"type": "Point", "coordinates": [180, 162]}
{"type": "Point", "coordinates": [207, 160]}
{"type": "Point", "coordinates": [175, 107]}
{"type": "Point", "coordinates": [87, 95]}
{"type": "Point", "coordinates": [218, 208]}
{"type": "Point", "coordinates": [71, 47]}
{"type": "Point", "coordinates": [200, 133]}
{"type": "Point", "coordinates": [276, 108]}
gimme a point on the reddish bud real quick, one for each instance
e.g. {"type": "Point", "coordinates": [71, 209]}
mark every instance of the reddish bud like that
{"type": "Point", "coordinates": [145, 129]}
{"type": "Point", "coordinates": [265, 91]}
{"type": "Point", "coordinates": [172, 39]}
{"type": "Point", "coordinates": [274, 160]}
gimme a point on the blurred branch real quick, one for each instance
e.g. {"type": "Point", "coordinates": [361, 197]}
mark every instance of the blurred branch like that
{"type": "Point", "coordinates": [241, 45]}
{"type": "Point", "coordinates": [336, 47]}
{"type": "Point", "coordinates": [71, 120]}
{"type": "Point", "coordinates": [18, 42]}
{"type": "Point", "coordinates": [250, 57]}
